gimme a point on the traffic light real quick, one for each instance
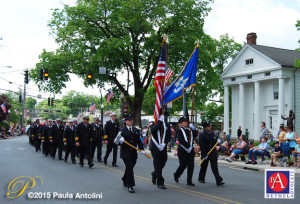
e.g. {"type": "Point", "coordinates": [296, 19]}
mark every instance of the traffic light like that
{"type": "Point", "coordinates": [41, 74]}
{"type": "Point", "coordinates": [89, 76]}
{"type": "Point", "coordinates": [52, 101]}
{"type": "Point", "coordinates": [20, 98]}
{"type": "Point", "coordinates": [26, 76]}
{"type": "Point", "coordinates": [46, 74]}
{"type": "Point", "coordinates": [49, 101]}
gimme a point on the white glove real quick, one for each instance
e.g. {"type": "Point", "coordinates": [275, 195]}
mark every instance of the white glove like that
{"type": "Point", "coordinates": [121, 140]}
{"type": "Point", "coordinates": [192, 126]}
{"type": "Point", "coordinates": [206, 158]}
{"type": "Point", "coordinates": [190, 149]}
{"type": "Point", "coordinates": [143, 152]}
{"type": "Point", "coordinates": [162, 118]}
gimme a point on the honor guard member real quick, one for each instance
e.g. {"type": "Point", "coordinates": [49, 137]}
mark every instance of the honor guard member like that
{"type": "Point", "coordinates": [98, 134]}
{"type": "Point", "coordinates": [44, 123]}
{"type": "Point", "coordinates": [161, 135]}
{"type": "Point", "coordinates": [185, 151]}
{"type": "Point", "coordinates": [45, 137]}
{"type": "Point", "coordinates": [207, 139]}
{"type": "Point", "coordinates": [56, 139]}
{"type": "Point", "coordinates": [69, 141]}
{"type": "Point", "coordinates": [37, 136]}
{"type": "Point", "coordinates": [83, 137]}
{"type": "Point", "coordinates": [127, 153]}
{"type": "Point", "coordinates": [31, 134]}
{"type": "Point", "coordinates": [75, 122]}
{"type": "Point", "coordinates": [111, 130]}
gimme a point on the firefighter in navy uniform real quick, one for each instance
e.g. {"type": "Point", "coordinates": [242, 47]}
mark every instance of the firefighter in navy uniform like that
{"type": "Point", "coordinates": [207, 139]}
{"type": "Point", "coordinates": [69, 141]}
{"type": "Point", "coordinates": [98, 134]}
{"type": "Point", "coordinates": [45, 138]}
{"type": "Point", "coordinates": [111, 130]}
{"type": "Point", "coordinates": [31, 134]}
{"type": "Point", "coordinates": [160, 137]}
{"type": "Point", "coordinates": [44, 123]}
{"type": "Point", "coordinates": [127, 153]}
{"type": "Point", "coordinates": [185, 151]}
{"type": "Point", "coordinates": [75, 123]}
{"type": "Point", "coordinates": [37, 136]}
{"type": "Point", "coordinates": [83, 137]}
{"type": "Point", "coordinates": [56, 139]}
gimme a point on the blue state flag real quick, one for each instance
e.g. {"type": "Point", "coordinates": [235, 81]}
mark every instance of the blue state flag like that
{"type": "Point", "coordinates": [184, 80]}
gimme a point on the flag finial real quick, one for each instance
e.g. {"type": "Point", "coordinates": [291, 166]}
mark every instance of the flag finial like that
{"type": "Point", "coordinates": [198, 42]}
{"type": "Point", "coordinates": [164, 36]}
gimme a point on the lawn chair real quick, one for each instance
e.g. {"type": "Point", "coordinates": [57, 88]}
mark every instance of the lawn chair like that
{"type": "Point", "coordinates": [283, 158]}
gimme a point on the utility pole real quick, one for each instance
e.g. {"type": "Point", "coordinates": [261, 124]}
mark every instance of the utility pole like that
{"type": "Point", "coordinates": [184, 104]}
{"type": "Point", "coordinates": [24, 106]}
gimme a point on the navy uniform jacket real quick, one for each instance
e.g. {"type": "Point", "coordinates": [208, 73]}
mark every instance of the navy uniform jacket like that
{"type": "Point", "coordinates": [35, 131]}
{"type": "Point", "coordinates": [83, 134]}
{"type": "Point", "coordinates": [98, 133]}
{"type": "Point", "coordinates": [46, 133]}
{"type": "Point", "coordinates": [111, 130]}
{"type": "Point", "coordinates": [186, 144]}
{"type": "Point", "coordinates": [154, 129]}
{"type": "Point", "coordinates": [56, 133]}
{"type": "Point", "coordinates": [207, 141]}
{"type": "Point", "coordinates": [69, 135]}
{"type": "Point", "coordinates": [133, 137]}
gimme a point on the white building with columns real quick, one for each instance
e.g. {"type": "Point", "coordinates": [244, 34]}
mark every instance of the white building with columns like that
{"type": "Point", "coordinates": [263, 85]}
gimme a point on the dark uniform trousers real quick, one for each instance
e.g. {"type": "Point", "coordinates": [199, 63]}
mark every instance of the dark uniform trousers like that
{"type": "Point", "coordinates": [70, 148]}
{"type": "Point", "coordinates": [159, 157]}
{"type": "Point", "coordinates": [46, 143]}
{"type": "Point", "coordinates": [129, 155]}
{"type": "Point", "coordinates": [83, 135]}
{"type": "Point", "coordinates": [55, 146]}
{"type": "Point", "coordinates": [85, 151]}
{"type": "Point", "coordinates": [98, 145]}
{"type": "Point", "coordinates": [111, 130]}
{"type": "Point", "coordinates": [37, 140]}
{"type": "Point", "coordinates": [207, 141]}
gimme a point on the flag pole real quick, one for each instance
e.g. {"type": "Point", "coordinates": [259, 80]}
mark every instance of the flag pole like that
{"type": "Point", "coordinates": [162, 97]}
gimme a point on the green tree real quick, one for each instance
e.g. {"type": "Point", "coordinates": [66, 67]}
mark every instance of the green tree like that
{"type": "Point", "coordinates": [30, 102]}
{"type": "Point", "coordinates": [213, 113]}
{"type": "Point", "coordinates": [121, 35]}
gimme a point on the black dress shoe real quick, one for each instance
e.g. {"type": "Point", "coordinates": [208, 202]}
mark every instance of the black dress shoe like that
{"type": "Point", "coordinates": [130, 190]}
{"type": "Point", "coordinates": [73, 162]}
{"type": "Point", "coordinates": [65, 161]}
{"type": "Point", "coordinates": [176, 178]}
{"type": "Point", "coordinates": [114, 165]}
{"type": "Point", "coordinates": [81, 165]}
{"type": "Point", "coordinates": [201, 181]}
{"type": "Point", "coordinates": [248, 162]}
{"type": "Point", "coordinates": [153, 178]}
{"type": "Point", "coordinates": [220, 183]}
{"type": "Point", "coordinates": [190, 184]}
{"type": "Point", "coordinates": [52, 157]}
{"type": "Point", "coordinates": [254, 162]}
{"type": "Point", "coordinates": [100, 160]}
{"type": "Point", "coordinates": [60, 159]}
{"type": "Point", "coordinates": [91, 165]}
{"type": "Point", "coordinates": [161, 186]}
{"type": "Point", "coordinates": [105, 161]}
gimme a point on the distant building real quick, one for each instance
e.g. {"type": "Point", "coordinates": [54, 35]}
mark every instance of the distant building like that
{"type": "Point", "coordinates": [264, 84]}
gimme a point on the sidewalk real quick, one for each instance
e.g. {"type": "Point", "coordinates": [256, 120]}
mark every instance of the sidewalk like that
{"type": "Point", "coordinates": [238, 164]}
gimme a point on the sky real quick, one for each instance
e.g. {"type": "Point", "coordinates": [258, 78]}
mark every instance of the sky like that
{"type": "Point", "coordinates": [24, 33]}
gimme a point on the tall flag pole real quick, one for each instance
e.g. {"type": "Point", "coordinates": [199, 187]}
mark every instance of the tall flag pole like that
{"type": "Point", "coordinates": [160, 80]}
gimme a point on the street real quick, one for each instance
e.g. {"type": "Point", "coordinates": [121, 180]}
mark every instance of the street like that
{"type": "Point", "coordinates": [60, 179]}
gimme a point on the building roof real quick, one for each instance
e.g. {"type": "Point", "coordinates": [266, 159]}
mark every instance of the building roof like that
{"type": "Point", "coordinates": [284, 57]}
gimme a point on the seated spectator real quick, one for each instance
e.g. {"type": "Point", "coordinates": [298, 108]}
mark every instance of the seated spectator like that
{"type": "Point", "coordinates": [238, 148]}
{"type": "Point", "coordinates": [296, 154]}
{"type": "Point", "coordinates": [277, 152]}
{"type": "Point", "coordinates": [262, 148]}
{"type": "Point", "coordinates": [281, 135]}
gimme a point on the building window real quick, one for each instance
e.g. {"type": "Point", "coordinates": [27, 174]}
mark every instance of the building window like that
{"type": "Point", "coordinates": [249, 77]}
{"type": "Point", "coordinates": [273, 112]}
{"type": "Point", "coordinates": [249, 61]}
{"type": "Point", "coordinates": [267, 74]}
{"type": "Point", "coordinates": [232, 79]}
{"type": "Point", "coordinates": [276, 90]}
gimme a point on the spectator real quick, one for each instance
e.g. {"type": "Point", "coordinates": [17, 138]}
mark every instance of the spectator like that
{"type": "Point", "coordinates": [296, 154]}
{"type": "Point", "coordinates": [144, 136]}
{"type": "Point", "coordinates": [260, 149]}
{"type": "Point", "coordinates": [239, 132]}
{"type": "Point", "coordinates": [291, 139]}
{"type": "Point", "coordinates": [282, 133]}
{"type": "Point", "coordinates": [247, 135]}
{"type": "Point", "coordinates": [172, 136]}
{"type": "Point", "coordinates": [238, 148]}
{"type": "Point", "coordinates": [264, 130]}
{"type": "Point", "coordinates": [277, 152]}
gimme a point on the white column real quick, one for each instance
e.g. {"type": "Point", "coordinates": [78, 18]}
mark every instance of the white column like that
{"type": "Point", "coordinates": [241, 106]}
{"type": "Point", "coordinates": [256, 110]}
{"type": "Point", "coordinates": [226, 109]}
{"type": "Point", "coordinates": [281, 100]}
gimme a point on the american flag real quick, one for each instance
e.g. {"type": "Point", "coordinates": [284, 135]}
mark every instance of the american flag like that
{"type": "Point", "coordinates": [107, 113]}
{"type": "Point", "coordinates": [3, 106]}
{"type": "Point", "coordinates": [160, 80]}
{"type": "Point", "coordinates": [109, 96]}
{"type": "Point", "coordinates": [92, 107]}
{"type": "Point", "coordinates": [16, 110]}
{"type": "Point", "coordinates": [168, 77]}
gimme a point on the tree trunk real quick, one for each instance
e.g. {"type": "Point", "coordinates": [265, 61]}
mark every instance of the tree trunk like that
{"type": "Point", "coordinates": [136, 109]}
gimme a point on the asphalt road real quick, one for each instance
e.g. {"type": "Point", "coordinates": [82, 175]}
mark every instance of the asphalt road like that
{"type": "Point", "coordinates": [56, 178]}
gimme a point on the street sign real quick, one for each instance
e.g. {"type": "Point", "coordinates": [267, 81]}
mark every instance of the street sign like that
{"type": "Point", "coordinates": [102, 70]}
